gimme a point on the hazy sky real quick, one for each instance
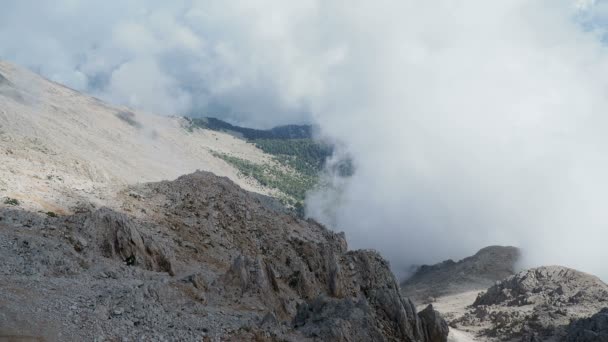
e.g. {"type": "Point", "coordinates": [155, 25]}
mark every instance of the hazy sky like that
{"type": "Point", "coordinates": [218, 58]}
{"type": "Point", "coordinates": [471, 123]}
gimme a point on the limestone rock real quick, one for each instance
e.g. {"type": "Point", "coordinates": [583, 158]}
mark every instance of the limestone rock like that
{"type": "Point", "coordinates": [536, 304]}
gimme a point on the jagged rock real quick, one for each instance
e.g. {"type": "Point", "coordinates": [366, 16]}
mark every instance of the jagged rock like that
{"type": "Point", "coordinates": [337, 320]}
{"type": "Point", "coordinates": [244, 272]}
{"type": "Point", "coordinates": [435, 328]}
{"type": "Point", "coordinates": [121, 239]}
{"type": "Point", "coordinates": [545, 285]}
{"type": "Point", "coordinates": [376, 311]}
{"type": "Point", "coordinates": [272, 277]}
{"type": "Point", "coordinates": [592, 329]}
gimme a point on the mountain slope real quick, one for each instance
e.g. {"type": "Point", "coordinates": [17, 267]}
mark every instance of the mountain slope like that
{"type": "Point", "coordinates": [477, 272]}
{"type": "Point", "coordinates": [59, 147]}
{"type": "Point", "coordinates": [299, 158]}
{"type": "Point", "coordinates": [279, 132]}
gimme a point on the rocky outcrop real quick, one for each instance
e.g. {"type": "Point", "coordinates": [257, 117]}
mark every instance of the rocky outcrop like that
{"type": "Point", "coordinates": [592, 329]}
{"type": "Point", "coordinates": [545, 285]}
{"type": "Point", "coordinates": [199, 258]}
{"type": "Point", "coordinates": [434, 327]}
{"type": "Point", "coordinates": [373, 310]}
{"type": "Point", "coordinates": [120, 238]}
{"type": "Point", "coordinates": [536, 304]}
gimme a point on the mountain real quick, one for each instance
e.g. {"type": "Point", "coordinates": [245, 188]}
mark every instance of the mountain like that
{"type": "Point", "coordinates": [279, 132]}
{"type": "Point", "coordinates": [102, 238]}
{"type": "Point", "coordinates": [59, 147]}
{"type": "Point", "coordinates": [477, 272]}
{"type": "Point", "coordinates": [301, 158]}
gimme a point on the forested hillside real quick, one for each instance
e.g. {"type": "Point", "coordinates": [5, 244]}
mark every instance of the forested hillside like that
{"type": "Point", "coordinates": [299, 158]}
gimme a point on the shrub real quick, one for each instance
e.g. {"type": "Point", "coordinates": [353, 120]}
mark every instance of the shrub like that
{"type": "Point", "coordinates": [11, 201]}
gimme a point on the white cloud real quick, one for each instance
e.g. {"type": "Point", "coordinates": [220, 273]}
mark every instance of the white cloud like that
{"type": "Point", "coordinates": [471, 123]}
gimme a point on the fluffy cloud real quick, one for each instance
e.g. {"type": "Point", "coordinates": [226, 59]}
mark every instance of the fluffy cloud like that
{"type": "Point", "coordinates": [471, 123]}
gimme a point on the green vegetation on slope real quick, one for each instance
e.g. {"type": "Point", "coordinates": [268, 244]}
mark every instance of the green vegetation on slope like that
{"type": "Point", "coordinates": [303, 155]}
{"type": "Point", "coordinates": [292, 183]}
{"type": "Point", "coordinates": [300, 158]}
{"type": "Point", "coordinates": [279, 132]}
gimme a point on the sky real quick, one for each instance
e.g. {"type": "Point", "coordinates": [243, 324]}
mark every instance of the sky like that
{"type": "Point", "coordinates": [471, 123]}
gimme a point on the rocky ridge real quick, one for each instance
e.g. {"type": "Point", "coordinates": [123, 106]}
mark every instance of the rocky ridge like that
{"type": "Point", "coordinates": [197, 258]}
{"type": "Point", "coordinates": [477, 272]}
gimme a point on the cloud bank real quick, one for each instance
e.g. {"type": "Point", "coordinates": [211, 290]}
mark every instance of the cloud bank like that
{"type": "Point", "coordinates": [471, 123]}
{"type": "Point", "coordinates": [178, 57]}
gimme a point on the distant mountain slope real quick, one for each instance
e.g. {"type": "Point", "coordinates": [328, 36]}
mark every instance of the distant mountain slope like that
{"type": "Point", "coordinates": [279, 132]}
{"type": "Point", "coordinates": [299, 158]}
{"type": "Point", "coordinates": [477, 272]}
{"type": "Point", "coordinates": [292, 145]}
{"type": "Point", "coordinates": [59, 147]}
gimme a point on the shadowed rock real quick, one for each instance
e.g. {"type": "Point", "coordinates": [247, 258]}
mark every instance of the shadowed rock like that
{"type": "Point", "coordinates": [592, 329]}
{"type": "Point", "coordinates": [434, 327]}
{"type": "Point", "coordinates": [488, 265]}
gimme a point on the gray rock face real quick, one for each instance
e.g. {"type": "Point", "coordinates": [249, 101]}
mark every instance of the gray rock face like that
{"type": "Point", "coordinates": [121, 239]}
{"type": "Point", "coordinates": [593, 329]}
{"type": "Point", "coordinates": [196, 259]}
{"type": "Point", "coordinates": [537, 304]}
{"type": "Point", "coordinates": [377, 312]}
{"type": "Point", "coordinates": [434, 326]}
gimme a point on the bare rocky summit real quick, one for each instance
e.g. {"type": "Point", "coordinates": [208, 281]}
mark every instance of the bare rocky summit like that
{"type": "Point", "coordinates": [535, 305]}
{"type": "Point", "coordinates": [195, 259]}
{"type": "Point", "coordinates": [483, 299]}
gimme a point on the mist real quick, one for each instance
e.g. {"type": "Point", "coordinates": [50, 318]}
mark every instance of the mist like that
{"type": "Point", "coordinates": [484, 125]}
{"type": "Point", "coordinates": [470, 123]}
